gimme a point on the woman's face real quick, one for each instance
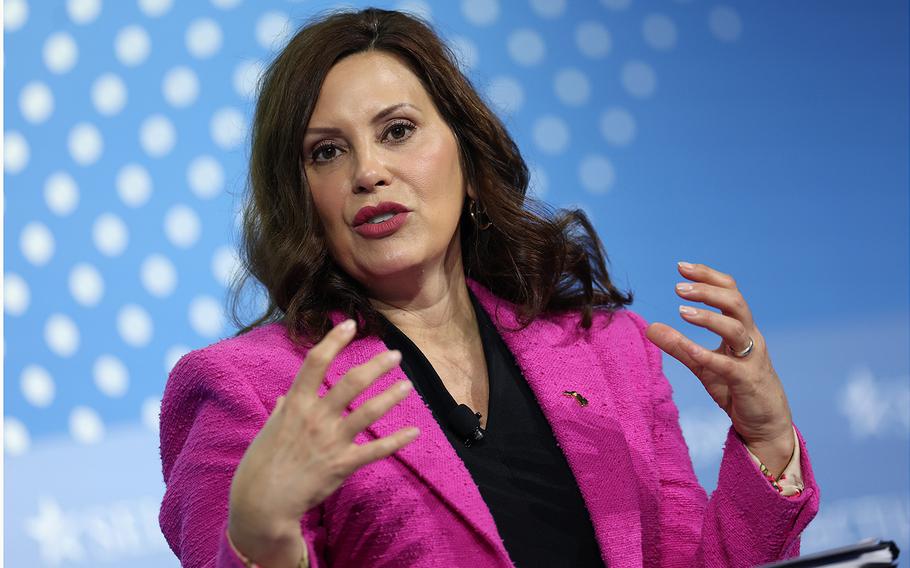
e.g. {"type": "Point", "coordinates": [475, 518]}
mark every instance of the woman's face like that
{"type": "Point", "coordinates": [383, 169]}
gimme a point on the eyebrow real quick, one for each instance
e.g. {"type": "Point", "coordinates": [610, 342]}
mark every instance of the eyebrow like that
{"type": "Point", "coordinates": [378, 117]}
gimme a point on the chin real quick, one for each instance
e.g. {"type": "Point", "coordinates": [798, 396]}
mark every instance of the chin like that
{"type": "Point", "coordinates": [379, 266]}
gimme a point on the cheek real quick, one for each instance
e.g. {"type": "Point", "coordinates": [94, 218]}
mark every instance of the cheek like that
{"type": "Point", "coordinates": [326, 193]}
{"type": "Point", "coordinates": [330, 207]}
{"type": "Point", "coordinates": [442, 172]}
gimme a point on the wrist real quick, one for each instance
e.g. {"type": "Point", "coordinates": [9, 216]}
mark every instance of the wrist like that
{"type": "Point", "coordinates": [774, 453]}
{"type": "Point", "coordinates": [274, 548]}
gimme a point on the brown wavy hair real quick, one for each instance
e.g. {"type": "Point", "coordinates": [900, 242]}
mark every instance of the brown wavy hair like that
{"type": "Point", "coordinates": [542, 261]}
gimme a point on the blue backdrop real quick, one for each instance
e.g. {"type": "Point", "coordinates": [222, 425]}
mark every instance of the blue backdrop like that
{"type": "Point", "coordinates": [767, 139]}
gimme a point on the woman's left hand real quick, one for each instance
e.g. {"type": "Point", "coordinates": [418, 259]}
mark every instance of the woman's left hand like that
{"type": "Point", "coordinates": [746, 387]}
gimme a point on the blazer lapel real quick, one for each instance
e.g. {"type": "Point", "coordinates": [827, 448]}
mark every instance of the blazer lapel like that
{"type": "Point", "coordinates": [554, 358]}
{"type": "Point", "coordinates": [430, 457]}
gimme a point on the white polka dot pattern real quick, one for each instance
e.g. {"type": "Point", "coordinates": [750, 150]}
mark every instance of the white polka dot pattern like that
{"type": "Point", "coordinates": [15, 14]}
{"type": "Point", "coordinates": [16, 152]}
{"type": "Point", "coordinates": [480, 12]}
{"type": "Point", "coordinates": [86, 284]}
{"type": "Point", "coordinates": [134, 325]}
{"type": "Point", "coordinates": [61, 194]}
{"type": "Point", "coordinates": [83, 12]}
{"type": "Point", "coordinates": [37, 386]}
{"type": "Point", "coordinates": [182, 226]}
{"type": "Point", "coordinates": [37, 243]}
{"type": "Point", "coordinates": [109, 94]}
{"type": "Point", "coordinates": [157, 136]}
{"type": "Point", "coordinates": [639, 79]}
{"type": "Point", "coordinates": [60, 53]}
{"type": "Point", "coordinates": [659, 32]}
{"type": "Point", "coordinates": [272, 30]}
{"type": "Point", "coordinates": [16, 439]}
{"type": "Point", "coordinates": [134, 185]}
{"type": "Point", "coordinates": [85, 425]}
{"type": "Point", "coordinates": [158, 275]}
{"type": "Point", "coordinates": [526, 47]}
{"type": "Point", "coordinates": [203, 38]}
{"type": "Point", "coordinates": [111, 376]}
{"type": "Point", "coordinates": [125, 155]}
{"type": "Point", "coordinates": [16, 294]}
{"type": "Point", "coordinates": [85, 144]}
{"type": "Point", "coordinates": [725, 23]}
{"type": "Point", "coordinates": [110, 234]}
{"type": "Point", "coordinates": [61, 335]}
{"type": "Point", "coordinates": [180, 86]}
{"type": "Point", "coordinates": [155, 8]}
{"type": "Point", "coordinates": [132, 45]}
{"type": "Point", "coordinates": [36, 102]}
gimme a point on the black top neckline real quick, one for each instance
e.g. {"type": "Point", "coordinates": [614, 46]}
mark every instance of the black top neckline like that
{"type": "Point", "coordinates": [430, 387]}
{"type": "Point", "coordinates": [520, 471]}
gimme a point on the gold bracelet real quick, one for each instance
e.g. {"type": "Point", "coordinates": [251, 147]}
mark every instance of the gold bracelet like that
{"type": "Point", "coordinates": [247, 563]}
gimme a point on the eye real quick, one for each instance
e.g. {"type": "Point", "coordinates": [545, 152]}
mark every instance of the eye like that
{"type": "Point", "coordinates": [399, 131]}
{"type": "Point", "coordinates": [325, 152]}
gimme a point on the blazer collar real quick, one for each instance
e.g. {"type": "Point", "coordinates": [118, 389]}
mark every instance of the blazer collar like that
{"type": "Point", "coordinates": [556, 356]}
{"type": "Point", "coordinates": [553, 359]}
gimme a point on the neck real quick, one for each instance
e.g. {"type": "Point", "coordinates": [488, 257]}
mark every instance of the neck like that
{"type": "Point", "coordinates": [430, 305]}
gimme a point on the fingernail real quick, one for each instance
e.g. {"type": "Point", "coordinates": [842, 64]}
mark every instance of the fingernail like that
{"type": "Point", "coordinates": [686, 265]}
{"type": "Point", "coordinates": [347, 325]}
{"type": "Point", "coordinates": [694, 349]}
{"type": "Point", "coordinates": [393, 356]}
{"type": "Point", "coordinates": [404, 386]}
{"type": "Point", "coordinates": [687, 310]}
{"type": "Point", "coordinates": [684, 287]}
{"type": "Point", "coordinates": [412, 432]}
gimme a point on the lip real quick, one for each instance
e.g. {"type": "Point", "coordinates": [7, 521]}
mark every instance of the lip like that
{"type": "Point", "coordinates": [370, 211]}
{"type": "Point", "coordinates": [384, 229]}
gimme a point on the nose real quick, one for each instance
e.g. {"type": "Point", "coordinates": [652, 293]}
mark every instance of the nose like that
{"type": "Point", "coordinates": [371, 172]}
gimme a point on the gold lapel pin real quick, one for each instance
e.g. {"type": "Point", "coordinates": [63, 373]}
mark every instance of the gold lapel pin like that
{"type": "Point", "coordinates": [577, 396]}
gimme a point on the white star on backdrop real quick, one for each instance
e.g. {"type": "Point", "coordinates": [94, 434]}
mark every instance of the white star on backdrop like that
{"type": "Point", "coordinates": [56, 533]}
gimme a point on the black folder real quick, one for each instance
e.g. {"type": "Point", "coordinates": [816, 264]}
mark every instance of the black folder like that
{"type": "Point", "coordinates": [866, 554]}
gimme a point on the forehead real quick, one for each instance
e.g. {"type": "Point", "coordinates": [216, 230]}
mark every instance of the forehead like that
{"type": "Point", "coordinates": [363, 83]}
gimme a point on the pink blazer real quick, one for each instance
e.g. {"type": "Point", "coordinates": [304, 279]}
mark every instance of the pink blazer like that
{"type": "Point", "coordinates": [421, 507]}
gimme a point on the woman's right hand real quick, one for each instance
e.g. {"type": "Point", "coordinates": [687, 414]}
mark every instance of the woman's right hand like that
{"type": "Point", "coordinates": [306, 450]}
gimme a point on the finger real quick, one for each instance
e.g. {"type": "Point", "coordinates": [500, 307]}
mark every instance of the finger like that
{"type": "Point", "coordinates": [674, 344]}
{"type": "Point", "coordinates": [729, 302]}
{"type": "Point", "coordinates": [706, 274]}
{"type": "Point", "coordinates": [720, 365]}
{"type": "Point", "coordinates": [375, 408]}
{"type": "Point", "coordinates": [731, 330]}
{"type": "Point", "coordinates": [692, 355]}
{"type": "Point", "coordinates": [383, 447]}
{"type": "Point", "coordinates": [318, 359]}
{"type": "Point", "coordinates": [359, 378]}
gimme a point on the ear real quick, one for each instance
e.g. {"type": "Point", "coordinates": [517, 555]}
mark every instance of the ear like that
{"type": "Point", "coordinates": [472, 193]}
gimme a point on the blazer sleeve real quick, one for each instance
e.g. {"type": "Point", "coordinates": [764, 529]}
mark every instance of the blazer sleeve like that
{"type": "Point", "coordinates": [745, 521]}
{"type": "Point", "coordinates": [209, 416]}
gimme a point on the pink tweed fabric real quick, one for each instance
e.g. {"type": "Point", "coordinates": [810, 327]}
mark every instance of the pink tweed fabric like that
{"type": "Point", "coordinates": [420, 507]}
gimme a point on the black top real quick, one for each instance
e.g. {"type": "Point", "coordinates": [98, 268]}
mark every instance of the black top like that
{"type": "Point", "coordinates": [522, 474]}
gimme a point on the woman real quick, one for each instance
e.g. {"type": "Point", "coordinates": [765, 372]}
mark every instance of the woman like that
{"type": "Point", "coordinates": [387, 208]}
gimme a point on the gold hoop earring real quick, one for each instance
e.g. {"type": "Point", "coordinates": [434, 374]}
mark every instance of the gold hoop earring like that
{"type": "Point", "coordinates": [477, 213]}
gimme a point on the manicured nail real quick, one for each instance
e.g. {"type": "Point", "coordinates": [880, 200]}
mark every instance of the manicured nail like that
{"type": "Point", "coordinates": [347, 325]}
{"type": "Point", "coordinates": [687, 310]}
{"type": "Point", "coordinates": [684, 287]}
{"type": "Point", "coordinates": [686, 265]}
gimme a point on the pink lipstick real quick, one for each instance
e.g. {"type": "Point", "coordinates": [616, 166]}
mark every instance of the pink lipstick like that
{"type": "Point", "coordinates": [381, 220]}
